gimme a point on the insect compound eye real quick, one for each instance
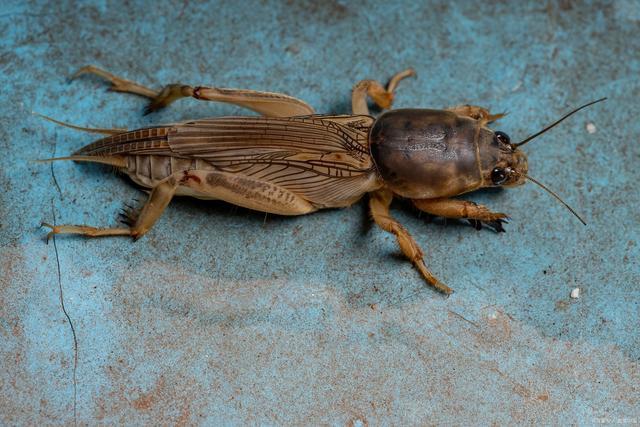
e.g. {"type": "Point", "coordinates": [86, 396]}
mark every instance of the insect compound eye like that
{"type": "Point", "coordinates": [498, 176]}
{"type": "Point", "coordinates": [502, 138]}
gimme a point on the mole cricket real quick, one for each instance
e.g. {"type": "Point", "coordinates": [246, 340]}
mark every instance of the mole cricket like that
{"type": "Point", "coordinates": [292, 161]}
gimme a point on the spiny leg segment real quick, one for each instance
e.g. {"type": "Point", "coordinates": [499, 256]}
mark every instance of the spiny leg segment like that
{"type": "Point", "coordinates": [379, 203]}
{"type": "Point", "coordinates": [158, 200]}
{"type": "Point", "coordinates": [478, 113]}
{"type": "Point", "coordinates": [118, 84]}
{"type": "Point", "coordinates": [454, 208]}
{"type": "Point", "coordinates": [266, 103]}
{"type": "Point", "coordinates": [383, 97]}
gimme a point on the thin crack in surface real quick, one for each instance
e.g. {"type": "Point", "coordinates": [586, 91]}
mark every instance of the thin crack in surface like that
{"type": "Point", "coordinates": [61, 295]}
{"type": "Point", "coordinates": [53, 174]}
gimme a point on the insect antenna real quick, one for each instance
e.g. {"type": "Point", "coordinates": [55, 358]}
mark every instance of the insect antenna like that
{"type": "Point", "coordinates": [113, 131]}
{"type": "Point", "coordinates": [545, 188]}
{"type": "Point", "coordinates": [557, 122]}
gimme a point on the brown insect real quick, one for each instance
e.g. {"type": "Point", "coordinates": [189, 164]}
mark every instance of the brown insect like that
{"type": "Point", "coordinates": [291, 161]}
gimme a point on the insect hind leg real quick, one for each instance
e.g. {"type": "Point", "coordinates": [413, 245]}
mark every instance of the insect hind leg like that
{"type": "Point", "coordinates": [158, 200]}
{"type": "Point", "coordinates": [266, 103]}
{"type": "Point", "coordinates": [118, 84]}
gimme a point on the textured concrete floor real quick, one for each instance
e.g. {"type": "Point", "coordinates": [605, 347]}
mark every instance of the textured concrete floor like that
{"type": "Point", "coordinates": [217, 315]}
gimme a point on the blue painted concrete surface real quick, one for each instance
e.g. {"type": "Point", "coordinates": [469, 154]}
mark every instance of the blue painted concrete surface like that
{"type": "Point", "coordinates": [220, 316]}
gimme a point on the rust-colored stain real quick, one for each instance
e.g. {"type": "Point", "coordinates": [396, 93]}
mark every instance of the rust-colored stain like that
{"type": "Point", "coordinates": [185, 415]}
{"type": "Point", "coordinates": [357, 422]}
{"type": "Point", "coordinates": [119, 402]}
{"type": "Point", "coordinates": [147, 400]}
{"type": "Point", "coordinates": [496, 327]}
{"type": "Point", "coordinates": [543, 397]}
{"type": "Point", "coordinates": [16, 328]}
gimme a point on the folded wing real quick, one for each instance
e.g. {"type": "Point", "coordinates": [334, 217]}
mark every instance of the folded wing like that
{"type": "Point", "coordinates": [324, 159]}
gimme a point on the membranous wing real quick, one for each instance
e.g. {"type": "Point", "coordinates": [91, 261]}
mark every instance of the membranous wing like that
{"type": "Point", "coordinates": [324, 159]}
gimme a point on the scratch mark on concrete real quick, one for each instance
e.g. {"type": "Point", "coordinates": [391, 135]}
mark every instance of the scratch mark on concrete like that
{"type": "Point", "coordinates": [464, 318]}
{"type": "Point", "coordinates": [517, 387]}
{"type": "Point", "coordinates": [73, 329]}
{"type": "Point", "coordinates": [61, 295]}
{"type": "Point", "coordinates": [53, 174]}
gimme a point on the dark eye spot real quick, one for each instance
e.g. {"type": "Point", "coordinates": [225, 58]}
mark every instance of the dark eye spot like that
{"type": "Point", "coordinates": [502, 138]}
{"type": "Point", "coordinates": [498, 176]}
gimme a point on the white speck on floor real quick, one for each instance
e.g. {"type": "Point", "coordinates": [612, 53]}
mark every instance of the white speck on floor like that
{"type": "Point", "coordinates": [575, 293]}
{"type": "Point", "coordinates": [591, 128]}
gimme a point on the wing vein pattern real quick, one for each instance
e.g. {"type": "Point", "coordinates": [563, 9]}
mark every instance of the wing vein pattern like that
{"type": "Point", "coordinates": [324, 159]}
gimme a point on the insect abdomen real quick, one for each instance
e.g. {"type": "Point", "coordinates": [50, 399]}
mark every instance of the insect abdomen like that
{"type": "Point", "coordinates": [146, 153]}
{"type": "Point", "coordinates": [146, 141]}
{"type": "Point", "coordinates": [148, 170]}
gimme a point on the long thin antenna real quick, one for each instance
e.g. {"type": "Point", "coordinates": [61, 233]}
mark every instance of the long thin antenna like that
{"type": "Point", "coordinates": [114, 131]}
{"type": "Point", "coordinates": [558, 121]}
{"type": "Point", "coordinates": [541, 185]}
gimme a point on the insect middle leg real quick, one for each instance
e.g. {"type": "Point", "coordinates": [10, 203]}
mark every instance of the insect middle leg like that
{"type": "Point", "coordinates": [454, 208]}
{"type": "Point", "coordinates": [379, 203]}
{"type": "Point", "coordinates": [383, 97]}
{"type": "Point", "coordinates": [158, 200]}
{"type": "Point", "coordinates": [266, 103]}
